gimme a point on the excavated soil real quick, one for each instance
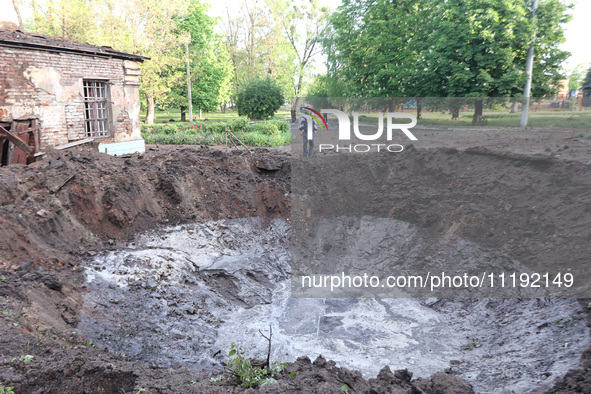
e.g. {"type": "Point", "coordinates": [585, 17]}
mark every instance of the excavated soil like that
{"type": "Point", "coordinates": [73, 207]}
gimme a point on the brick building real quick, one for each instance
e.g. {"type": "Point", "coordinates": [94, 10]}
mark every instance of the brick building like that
{"type": "Point", "coordinates": [54, 92]}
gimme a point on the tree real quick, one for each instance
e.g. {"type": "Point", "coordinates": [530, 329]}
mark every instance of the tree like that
{"type": "Point", "coordinates": [476, 48]}
{"type": "Point", "coordinates": [575, 79]}
{"type": "Point", "coordinates": [18, 14]}
{"type": "Point", "coordinates": [209, 60]}
{"type": "Point", "coordinates": [69, 19]}
{"type": "Point", "coordinates": [586, 87]}
{"type": "Point", "coordinates": [367, 46]}
{"type": "Point", "coordinates": [444, 48]}
{"type": "Point", "coordinates": [257, 47]}
{"type": "Point", "coordinates": [303, 25]}
{"type": "Point", "coordinates": [259, 99]}
{"type": "Point", "coordinates": [551, 17]}
{"type": "Point", "coordinates": [146, 27]}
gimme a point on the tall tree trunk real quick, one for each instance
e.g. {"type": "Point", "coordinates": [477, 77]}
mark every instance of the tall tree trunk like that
{"type": "Point", "coordinates": [200, 113]}
{"type": "Point", "coordinates": [18, 14]}
{"type": "Point", "coordinates": [513, 107]}
{"type": "Point", "coordinates": [455, 111]}
{"type": "Point", "coordinates": [478, 106]}
{"type": "Point", "coordinates": [150, 109]}
{"type": "Point", "coordinates": [183, 114]}
{"type": "Point", "coordinates": [419, 109]}
{"type": "Point", "coordinates": [392, 105]}
{"type": "Point", "coordinates": [294, 109]}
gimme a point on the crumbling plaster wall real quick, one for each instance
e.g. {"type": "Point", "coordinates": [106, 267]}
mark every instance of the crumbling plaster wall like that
{"type": "Point", "coordinates": [48, 86]}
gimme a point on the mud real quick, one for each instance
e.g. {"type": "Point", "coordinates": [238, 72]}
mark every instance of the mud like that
{"type": "Point", "coordinates": [182, 295]}
{"type": "Point", "coordinates": [61, 216]}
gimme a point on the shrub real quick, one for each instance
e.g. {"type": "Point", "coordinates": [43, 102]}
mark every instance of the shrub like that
{"type": "Point", "coordinates": [185, 139]}
{"type": "Point", "coordinates": [282, 125]}
{"type": "Point", "coordinates": [152, 129]}
{"type": "Point", "coordinates": [266, 128]}
{"type": "Point", "coordinates": [6, 390]}
{"type": "Point", "coordinates": [261, 140]}
{"type": "Point", "coordinates": [216, 128]}
{"type": "Point", "coordinates": [259, 99]}
{"type": "Point", "coordinates": [238, 125]}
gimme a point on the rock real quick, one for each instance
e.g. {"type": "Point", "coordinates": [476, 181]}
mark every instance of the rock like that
{"type": "Point", "coordinates": [52, 282]}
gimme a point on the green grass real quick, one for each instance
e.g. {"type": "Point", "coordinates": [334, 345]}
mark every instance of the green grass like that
{"type": "Point", "coordinates": [263, 134]}
{"type": "Point", "coordinates": [210, 129]}
{"type": "Point", "coordinates": [249, 138]}
{"type": "Point", "coordinates": [217, 116]}
{"type": "Point", "coordinates": [565, 119]}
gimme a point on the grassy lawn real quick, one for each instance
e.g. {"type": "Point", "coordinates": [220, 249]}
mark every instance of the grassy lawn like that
{"type": "Point", "coordinates": [163, 117]}
{"type": "Point", "coordinates": [567, 119]}
{"type": "Point", "coordinates": [210, 130]}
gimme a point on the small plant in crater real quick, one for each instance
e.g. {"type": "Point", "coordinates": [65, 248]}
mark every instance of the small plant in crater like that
{"type": "Point", "coordinates": [27, 358]}
{"type": "Point", "coordinates": [6, 390]}
{"type": "Point", "coordinates": [251, 376]}
{"type": "Point", "coordinates": [471, 345]}
{"type": "Point", "coordinates": [562, 321]}
{"type": "Point", "coordinates": [217, 379]}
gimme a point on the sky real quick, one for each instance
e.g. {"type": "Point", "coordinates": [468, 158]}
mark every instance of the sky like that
{"type": "Point", "coordinates": [577, 31]}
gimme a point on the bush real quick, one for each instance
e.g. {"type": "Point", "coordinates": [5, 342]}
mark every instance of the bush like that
{"type": "Point", "coordinates": [216, 128]}
{"type": "Point", "coordinates": [260, 140]}
{"type": "Point", "coordinates": [238, 125]}
{"type": "Point", "coordinates": [185, 139]}
{"type": "Point", "coordinates": [266, 128]}
{"type": "Point", "coordinates": [259, 99]}
{"type": "Point", "coordinates": [282, 125]}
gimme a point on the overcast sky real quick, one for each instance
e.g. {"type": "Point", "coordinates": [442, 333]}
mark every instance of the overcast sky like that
{"type": "Point", "coordinates": [578, 31]}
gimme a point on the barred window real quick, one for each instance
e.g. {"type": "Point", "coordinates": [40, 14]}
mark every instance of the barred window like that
{"type": "Point", "coordinates": [96, 113]}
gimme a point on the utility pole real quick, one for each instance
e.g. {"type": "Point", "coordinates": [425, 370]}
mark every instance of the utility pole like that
{"type": "Point", "coordinates": [529, 68]}
{"type": "Point", "coordinates": [189, 81]}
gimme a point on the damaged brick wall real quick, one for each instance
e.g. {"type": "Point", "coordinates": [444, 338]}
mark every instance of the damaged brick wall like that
{"type": "Point", "coordinates": [48, 86]}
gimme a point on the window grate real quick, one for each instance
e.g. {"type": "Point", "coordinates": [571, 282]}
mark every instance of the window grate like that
{"type": "Point", "coordinates": [96, 113]}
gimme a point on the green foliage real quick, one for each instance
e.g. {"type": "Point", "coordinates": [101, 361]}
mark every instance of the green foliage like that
{"type": "Point", "coordinates": [270, 133]}
{"type": "Point", "coordinates": [259, 99]}
{"type": "Point", "coordinates": [6, 390]}
{"type": "Point", "coordinates": [262, 140]}
{"type": "Point", "coordinates": [27, 358]}
{"type": "Point", "coordinates": [266, 128]}
{"type": "Point", "coordinates": [250, 376]}
{"type": "Point", "coordinates": [586, 136]}
{"type": "Point", "coordinates": [368, 47]}
{"type": "Point", "coordinates": [257, 45]}
{"type": "Point", "coordinates": [449, 48]}
{"type": "Point", "coordinates": [303, 25]}
{"type": "Point", "coordinates": [185, 139]}
{"type": "Point", "coordinates": [238, 125]}
{"type": "Point", "coordinates": [576, 77]}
